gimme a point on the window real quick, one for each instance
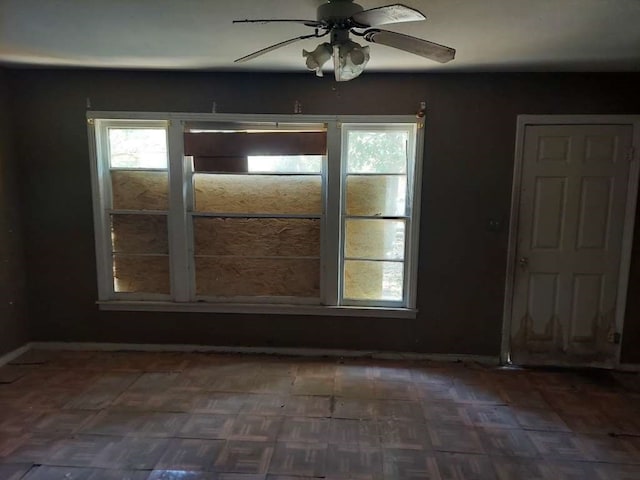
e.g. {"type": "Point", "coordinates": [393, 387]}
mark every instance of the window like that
{"type": "Point", "coordinates": [222, 213]}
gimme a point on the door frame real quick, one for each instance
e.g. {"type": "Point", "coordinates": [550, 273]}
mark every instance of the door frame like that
{"type": "Point", "coordinates": [524, 121]}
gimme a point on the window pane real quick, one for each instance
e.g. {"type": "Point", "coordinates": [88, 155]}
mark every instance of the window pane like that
{"type": "Point", "coordinates": [137, 148]}
{"type": "Point", "coordinates": [285, 163]}
{"type": "Point", "coordinates": [139, 234]}
{"type": "Point", "coordinates": [238, 276]}
{"type": "Point", "coordinates": [374, 239]}
{"type": "Point", "coordinates": [376, 195]}
{"type": "Point", "coordinates": [295, 194]}
{"type": "Point", "coordinates": [377, 151]}
{"type": "Point", "coordinates": [141, 274]}
{"type": "Point", "coordinates": [370, 280]}
{"type": "Point", "coordinates": [140, 190]}
{"type": "Point", "coordinates": [257, 236]}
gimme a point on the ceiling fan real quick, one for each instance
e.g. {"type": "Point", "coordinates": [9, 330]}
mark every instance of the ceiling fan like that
{"type": "Point", "coordinates": [338, 19]}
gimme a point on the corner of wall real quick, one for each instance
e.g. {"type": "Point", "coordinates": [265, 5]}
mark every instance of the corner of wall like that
{"type": "Point", "coordinates": [14, 320]}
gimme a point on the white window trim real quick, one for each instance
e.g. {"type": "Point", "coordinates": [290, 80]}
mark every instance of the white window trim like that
{"type": "Point", "coordinates": [179, 214]}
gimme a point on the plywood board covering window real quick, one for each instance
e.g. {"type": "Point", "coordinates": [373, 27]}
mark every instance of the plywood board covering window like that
{"type": "Point", "coordinates": [274, 255]}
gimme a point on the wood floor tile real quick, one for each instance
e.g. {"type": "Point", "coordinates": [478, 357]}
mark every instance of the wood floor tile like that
{"type": "Point", "coordinates": [353, 462]}
{"type": "Point", "coordinates": [604, 448]}
{"type": "Point", "coordinates": [506, 442]}
{"type": "Point", "coordinates": [264, 404]}
{"type": "Point", "coordinates": [431, 376]}
{"type": "Point", "coordinates": [593, 423]}
{"type": "Point", "coordinates": [447, 413]}
{"type": "Point", "coordinates": [64, 421]}
{"type": "Point", "coordinates": [301, 459]}
{"type": "Point", "coordinates": [540, 419]}
{"type": "Point", "coordinates": [354, 387]}
{"type": "Point", "coordinates": [307, 406]}
{"type": "Point", "coordinates": [558, 445]}
{"type": "Point", "coordinates": [513, 468]}
{"type": "Point", "coordinates": [304, 385]}
{"type": "Point", "coordinates": [36, 448]}
{"type": "Point", "coordinates": [394, 390]}
{"type": "Point", "coordinates": [11, 442]}
{"type": "Point", "coordinates": [218, 402]}
{"type": "Point", "coordinates": [190, 455]}
{"type": "Point", "coordinates": [143, 424]}
{"type": "Point", "coordinates": [13, 471]}
{"type": "Point", "coordinates": [464, 466]}
{"type": "Point", "coordinates": [616, 472]}
{"type": "Point", "coordinates": [568, 470]}
{"type": "Point", "coordinates": [404, 464]}
{"type": "Point", "coordinates": [491, 416]}
{"type": "Point", "coordinates": [356, 408]}
{"type": "Point", "coordinates": [354, 432]}
{"type": "Point", "coordinates": [255, 428]}
{"type": "Point", "coordinates": [15, 420]}
{"type": "Point", "coordinates": [454, 439]}
{"type": "Point", "coordinates": [312, 368]}
{"type": "Point", "coordinates": [476, 394]}
{"type": "Point", "coordinates": [524, 398]}
{"type": "Point", "coordinates": [132, 453]}
{"type": "Point", "coordinates": [400, 410]}
{"type": "Point", "coordinates": [157, 402]}
{"type": "Point", "coordinates": [11, 373]}
{"type": "Point", "coordinates": [243, 476]}
{"type": "Point", "coordinates": [304, 429]}
{"type": "Point", "coordinates": [244, 457]}
{"type": "Point", "coordinates": [81, 451]}
{"type": "Point", "coordinates": [207, 426]}
{"type": "Point", "coordinates": [181, 475]}
{"type": "Point", "coordinates": [156, 382]}
{"type": "Point", "coordinates": [46, 472]}
{"type": "Point", "coordinates": [111, 474]}
{"type": "Point", "coordinates": [404, 434]}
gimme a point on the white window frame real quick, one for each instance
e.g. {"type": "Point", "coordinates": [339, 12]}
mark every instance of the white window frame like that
{"type": "Point", "coordinates": [180, 214]}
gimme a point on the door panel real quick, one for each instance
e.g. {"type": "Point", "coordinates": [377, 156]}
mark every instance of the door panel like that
{"type": "Point", "coordinates": [571, 215]}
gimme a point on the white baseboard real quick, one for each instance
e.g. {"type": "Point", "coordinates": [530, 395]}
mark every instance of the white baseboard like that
{"type": "Point", "coordinates": [8, 357]}
{"type": "Point", "coordinates": [301, 352]}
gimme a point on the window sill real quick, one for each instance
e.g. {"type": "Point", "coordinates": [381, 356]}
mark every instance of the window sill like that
{"type": "Point", "coordinates": [321, 310]}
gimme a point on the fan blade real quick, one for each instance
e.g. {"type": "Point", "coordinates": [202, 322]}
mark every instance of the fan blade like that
{"type": "Point", "coordinates": [417, 46]}
{"type": "Point", "coordinates": [387, 14]}
{"type": "Point", "coordinates": [308, 23]}
{"type": "Point", "coordinates": [253, 55]}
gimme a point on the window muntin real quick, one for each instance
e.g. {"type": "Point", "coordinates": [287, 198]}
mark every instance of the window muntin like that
{"type": "Point", "coordinates": [226, 213]}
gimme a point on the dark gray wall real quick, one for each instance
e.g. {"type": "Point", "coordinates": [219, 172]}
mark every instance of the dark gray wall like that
{"type": "Point", "coordinates": [470, 140]}
{"type": "Point", "coordinates": [13, 314]}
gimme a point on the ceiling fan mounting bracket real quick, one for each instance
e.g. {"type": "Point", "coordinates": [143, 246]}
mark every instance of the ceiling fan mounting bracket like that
{"type": "Point", "coordinates": [337, 12]}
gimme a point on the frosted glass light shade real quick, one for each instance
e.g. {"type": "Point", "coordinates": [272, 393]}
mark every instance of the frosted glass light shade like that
{"type": "Point", "coordinates": [349, 60]}
{"type": "Point", "coordinates": [317, 58]}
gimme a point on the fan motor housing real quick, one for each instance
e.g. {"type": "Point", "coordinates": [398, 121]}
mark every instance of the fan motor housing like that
{"type": "Point", "coordinates": [337, 10]}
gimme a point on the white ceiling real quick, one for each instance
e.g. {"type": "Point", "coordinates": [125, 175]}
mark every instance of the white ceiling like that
{"type": "Point", "coordinates": [489, 35]}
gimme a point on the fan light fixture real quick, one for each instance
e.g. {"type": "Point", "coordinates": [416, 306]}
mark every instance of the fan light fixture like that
{"type": "Point", "coordinates": [339, 18]}
{"type": "Point", "coordinates": [349, 59]}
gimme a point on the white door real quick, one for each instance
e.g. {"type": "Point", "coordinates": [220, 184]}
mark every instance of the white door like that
{"type": "Point", "coordinates": [569, 242]}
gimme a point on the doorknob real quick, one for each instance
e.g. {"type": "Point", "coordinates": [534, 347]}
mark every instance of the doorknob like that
{"type": "Point", "coordinates": [524, 261]}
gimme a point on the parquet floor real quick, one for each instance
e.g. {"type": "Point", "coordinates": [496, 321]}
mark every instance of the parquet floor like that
{"type": "Point", "coordinates": [166, 416]}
